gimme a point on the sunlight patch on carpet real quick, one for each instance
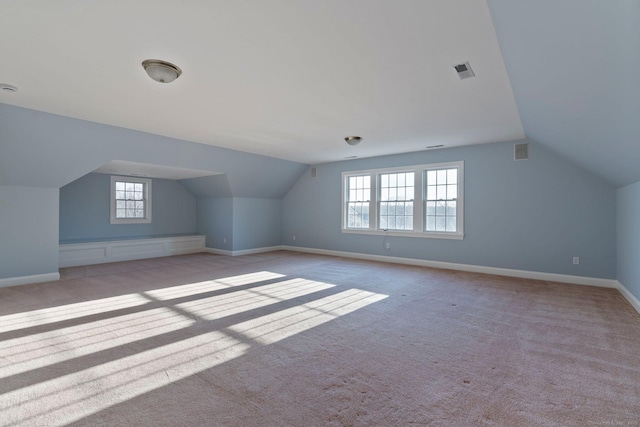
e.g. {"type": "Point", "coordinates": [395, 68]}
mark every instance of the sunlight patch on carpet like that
{"type": "Point", "coordinates": [286, 323]}
{"type": "Point", "coordinates": [60, 313]}
{"type": "Point", "coordinates": [212, 285]}
{"type": "Point", "coordinates": [59, 401]}
{"type": "Point", "coordinates": [226, 305]}
{"type": "Point", "coordinates": [59, 345]}
{"type": "Point", "coordinates": [62, 364]}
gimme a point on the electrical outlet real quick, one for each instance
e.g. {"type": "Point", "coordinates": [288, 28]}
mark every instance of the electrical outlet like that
{"type": "Point", "coordinates": [294, 237]}
{"type": "Point", "coordinates": [576, 260]}
{"type": "Point", "coordinates": [225, 240]}
{"type": "Point", "coordinates": [387, 245]}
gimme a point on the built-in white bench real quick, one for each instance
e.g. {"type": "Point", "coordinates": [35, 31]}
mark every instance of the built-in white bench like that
{"type": "Point", "coordinates": [90, 252]}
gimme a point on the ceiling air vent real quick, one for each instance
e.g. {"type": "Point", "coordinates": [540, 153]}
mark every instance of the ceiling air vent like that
{"type": "Point", "coordinates": [521, 151]}
{"type": "Point", "coordinates": [463, 71]}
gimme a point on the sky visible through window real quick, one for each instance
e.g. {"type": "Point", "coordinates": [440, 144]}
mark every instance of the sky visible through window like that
{"type": "Point", "coordinates": [441, 199]}
{"type": "Point", "coordinates": [130, 200]}
{"type": "Point", "coordinates": [396, 201]}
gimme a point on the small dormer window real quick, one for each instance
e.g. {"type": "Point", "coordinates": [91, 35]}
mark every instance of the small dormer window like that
{"type": "Point", "coordinates": [130, 200]}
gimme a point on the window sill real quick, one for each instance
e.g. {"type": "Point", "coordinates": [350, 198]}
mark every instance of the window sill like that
{"type": "Point", "coordinates": [130, 220]}
{"type": "Point", "coordinates": [424, 235]}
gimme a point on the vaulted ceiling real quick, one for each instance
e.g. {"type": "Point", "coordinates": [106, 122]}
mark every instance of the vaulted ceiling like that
{"type": "Point", "coordinates": [574, 67]}
{"type": "Point", "coordinates": [290, 79]}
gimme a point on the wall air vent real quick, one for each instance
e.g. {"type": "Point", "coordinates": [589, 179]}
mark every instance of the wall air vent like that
{"type": "Point", "coordinates": [463, 71]}
{"type": "Point", "coordinates": [521, 151]}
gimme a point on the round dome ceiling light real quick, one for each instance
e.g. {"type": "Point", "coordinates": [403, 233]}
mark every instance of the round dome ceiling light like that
{"type": "Point", "coordinates": [353, 140]}
{"type": "Point", "coordinates": [8, 88]}
{"type": "Point", "coordinates": [161, 71]}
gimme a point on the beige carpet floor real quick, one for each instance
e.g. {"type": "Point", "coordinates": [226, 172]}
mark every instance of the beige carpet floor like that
{"type": "Point", "coordinates": [286, 339]}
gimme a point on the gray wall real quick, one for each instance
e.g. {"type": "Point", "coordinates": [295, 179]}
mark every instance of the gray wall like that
{"type": "Point", "coordinates": [85, 211]}
{"type": "Point", "coordinates": [28, 231]}
{"type": "Point", "coordinates": [257, 223]}
{"type": "Point", "coordinates": [245, 223]}
{"type": "Point", "coordinates": [44, 150]}
{"type": "Point", "coordinates": [529, 215]}
{"type": "Point", "coordinates": [568, 63]}
{"type": "Point", "coordinates": [215, 221]}
{"type": "Point", "coordinates": [628, 237]}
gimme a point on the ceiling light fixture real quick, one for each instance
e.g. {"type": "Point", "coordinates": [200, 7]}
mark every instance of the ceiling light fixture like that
{"type": "Point", "coordinates": [161, 71]}
{"type": "Point", "coordinates": [353, 140]}
{"type": "Point", "coordinates": [8, 88]}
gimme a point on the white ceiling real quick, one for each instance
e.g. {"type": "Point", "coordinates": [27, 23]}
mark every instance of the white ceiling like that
{"type": "Point", "coordinates": [283, 78]}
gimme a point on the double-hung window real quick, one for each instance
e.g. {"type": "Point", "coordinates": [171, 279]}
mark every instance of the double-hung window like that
{"type": "Point", "coordinates": [358, 200]}
{"type": "Point", "coordinates": [441, 200]}
{"type": "Point", "coordinates": [130, 200]}
{"type": "Point", "coordinates": [396, 200]}
{"type": "Point", "coordinates": [416, 201]}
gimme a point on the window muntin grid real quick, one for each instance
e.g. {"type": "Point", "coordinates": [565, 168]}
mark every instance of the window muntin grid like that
{"type": "Point", "coordinates": [441, 198]}
{"type": "Point", "coordinates": [373, 227]}
{"type": "Point", "coordinates": [358, 199]}
{"type": "Point", "coordinates": [130, 200]}
{"type": "Point", "coordinates": [396, 200]}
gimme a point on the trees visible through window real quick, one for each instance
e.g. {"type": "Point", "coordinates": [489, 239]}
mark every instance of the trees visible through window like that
{"type": "Point", "coordinates": [130, 200]}
{"type": "Point", "coordinates": [396, 200]}
{"type": "Point", "coordinates": [358, 198]}
{"type": "Point", "coordinates": [416, 201]}
{"type": "Point", "coordinates": [441, 200]}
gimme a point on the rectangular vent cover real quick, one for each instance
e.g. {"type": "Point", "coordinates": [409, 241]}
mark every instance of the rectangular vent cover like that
{"type": "Point", "coordinates": [463, 71]}
{"type": "Point", "coordinates": [314, 172]}
{"type": "Point", "coordinates": [521, 151]}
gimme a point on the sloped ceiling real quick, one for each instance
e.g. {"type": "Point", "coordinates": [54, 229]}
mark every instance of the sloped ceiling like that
{"type": "Point", "coordinates": [574, 66]}
{"type": "Point", "coordinates": [290, 79]}
{"type": "Point", "coordinates": [40, 149]}
{"type": "Point", "coordinates": [283, 78]}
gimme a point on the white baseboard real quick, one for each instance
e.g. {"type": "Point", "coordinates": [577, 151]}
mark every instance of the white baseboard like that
{"type": "Point", "coordinates": [551, 277]}
{"type": "Point", "coordinates": [25, 280]}
{"type": "Point", "coordinates": [95, 253]}
{"type": "Point", "coordinates": [218, 251]}
{"type": "Point", "coordinates": [525, 274]}
{"type": "Point", "coordinates": [635, 303]}
{"type": "Point", "coordinates": [243, 251]}
{"type": "Point", "coordinates": [75, 254]}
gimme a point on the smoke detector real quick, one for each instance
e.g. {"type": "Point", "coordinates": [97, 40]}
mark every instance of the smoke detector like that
{"type": "Point", "coordinates": [353, 140]}
{"type": "Point", "coordinates": [463, 71]}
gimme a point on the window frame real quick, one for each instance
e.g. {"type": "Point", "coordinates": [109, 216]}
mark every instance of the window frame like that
{"type": "Point", "coordinates": [419, 202]}
{"type": "Point", "coordinates": [379, 200]}
{"type": "Point", "coordinates": [347, 201]}
{"type": "Point", "coordinates": [147, 198]}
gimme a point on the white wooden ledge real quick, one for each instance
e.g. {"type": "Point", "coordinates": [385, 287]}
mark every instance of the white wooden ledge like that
{"type": "Point", "coordinates": [87, 253]}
